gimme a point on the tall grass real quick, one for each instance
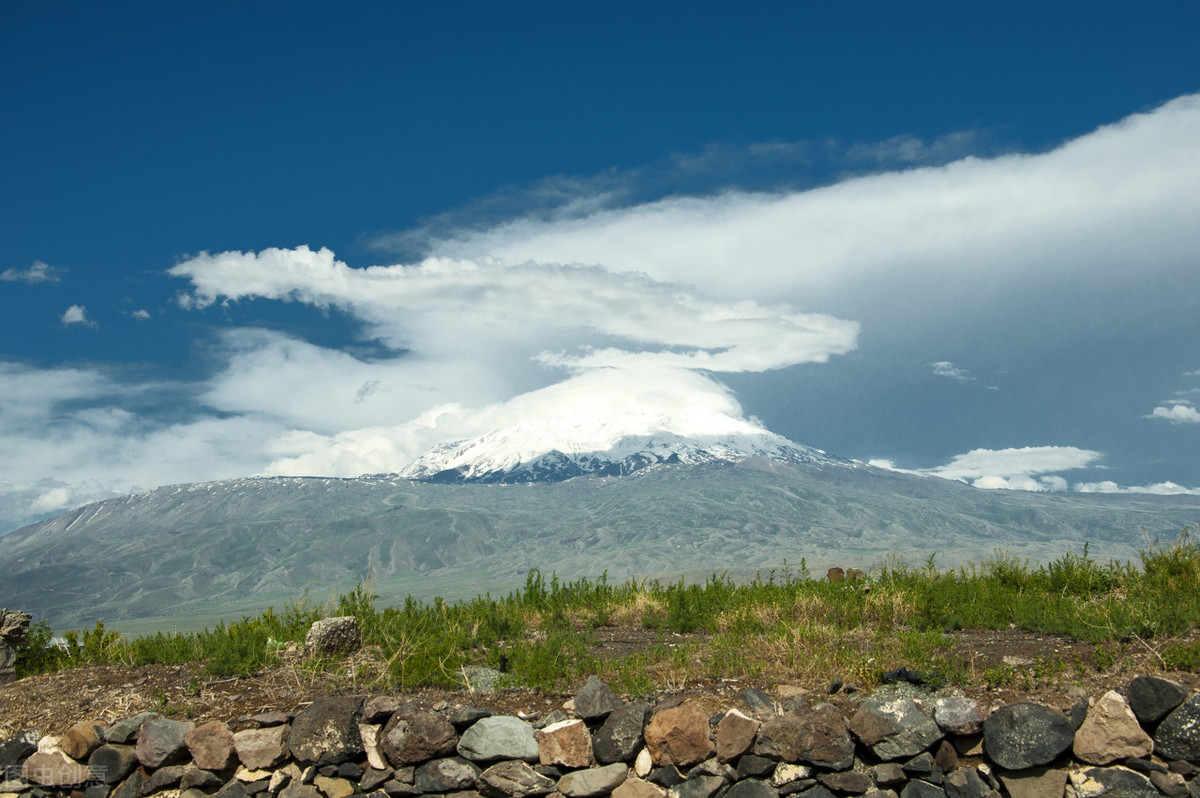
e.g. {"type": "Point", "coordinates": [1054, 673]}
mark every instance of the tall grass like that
{"type": "Point", "coordinates": [784, 626]}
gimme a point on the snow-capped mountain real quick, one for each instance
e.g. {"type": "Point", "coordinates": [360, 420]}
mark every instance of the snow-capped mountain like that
{"type": "Point", "coordinates": [554, 450]}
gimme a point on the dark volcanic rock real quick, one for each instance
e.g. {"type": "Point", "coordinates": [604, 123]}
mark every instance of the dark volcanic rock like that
{"type": "Point", "coordinates": [326, 733]}
{"type": "Point", "coordinates": [1152, 697]}
{"type": "Point", "coordinates": [1178, 736]}
{"type": "Point", "coordinates": [620, 737]}
{"type": "Point", "coordinates": [596, 700]}
{"type": "Point", "coordinates": [894, 727]}
{"type": "Point", "coordinates": [1024, 735]}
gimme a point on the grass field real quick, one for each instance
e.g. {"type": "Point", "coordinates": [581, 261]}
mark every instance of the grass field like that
{"type": "Point", "coordinates": [783, 621]}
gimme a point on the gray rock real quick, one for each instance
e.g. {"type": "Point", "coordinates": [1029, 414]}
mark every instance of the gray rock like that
{"type": "Point", "coordinates": [894, 727]}
{"type": "Point", "coordinates": [594, 782]}
{"type": "Point", "coordinates": [965, 783]}
{"type": "Point", "coordinates": [203, 780]}
{"type": "Point", "coordinates": [1171, 785]}
{"type": "Point", "coordinates": [1152, 697]}
{"type": "Point", "coordinates": [479, 679]}
{"type": "Point", "coordinates": [374, 778]}
{"type": "Point", "coordinates": [446, 775]}
{"type": "Point", "coordinates": [379, 709]}
{"type": "Point", "coordinates": [752, 788]}
{"type": "Point", "coordinates": [620, 736]}
{"type": "Point", "coordinates": [750, 766]}
{"type": "Point", "coordinates": [126, 731]}
{"type": "Point", "coordinates": [888, 774]}
{"type": "Point", "coordinates": [326, 733]}
{"type": "Point", "coordinates": [595, 700]}
{"type": "Point", "coordinates": [112, 763]}
{"type": "Point", "coordinates": [499, 737]}
{"type": "Point", "coordinates": [332, 637]}
{"type": "Point", "coordinates": [464, 717]}
{"type": "Point", "coordinates": [958, 715]}
{"type": "Point", "coordinates": [758, 702]}
{"type": "Point", "coordinates": [132, 787]}
{"type": "Point", "coordinates": [820, 736]}
{"type": "Point", "coordinates": [165, 777]}
{"type": "Point", "coordinates": [922, 789]}
{"type": "Point", "coordinates": [855, 782]}
{"type": "Point", "coordinates": [233, 789]}
{"type": "Point", "coordinates": [713, 767]}
{"type": "Point", "coordinates": [260, 749]}
{"type": "Point", "coordinates": [513, 780]}
{"type": "Point", "coordinates": [1025, 735]}
{"type": "Point", "coordinates": [413, 737]}
{"type": "Point", "coordinates": [161, 742]}
{"type": "Point", "coordinates": [703, 787]}
{"type": "Point", "coordinates": [819, 791]}
{"type": "Point", "coordinates": [14, 627]}
{"type": "Point", "coordinates": [1178, 736]}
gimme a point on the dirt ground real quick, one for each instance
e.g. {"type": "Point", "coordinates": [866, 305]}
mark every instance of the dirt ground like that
{"type": "Point", "coordinates": [1004, 666]}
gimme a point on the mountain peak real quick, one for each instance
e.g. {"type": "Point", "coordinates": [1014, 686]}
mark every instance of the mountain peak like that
{"type": "Point", "coordinates": [553, 451]}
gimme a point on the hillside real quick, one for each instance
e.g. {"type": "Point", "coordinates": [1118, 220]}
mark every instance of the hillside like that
{"type": "Point", "coordinates": [187, 555]}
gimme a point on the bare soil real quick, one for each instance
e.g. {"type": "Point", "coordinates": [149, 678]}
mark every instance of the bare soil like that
{"type": "Point", "coordinates": [1004, 666]}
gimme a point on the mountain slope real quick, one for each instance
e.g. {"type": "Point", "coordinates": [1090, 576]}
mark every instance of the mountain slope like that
{"type": "Point", "coordinates": [196, 552]}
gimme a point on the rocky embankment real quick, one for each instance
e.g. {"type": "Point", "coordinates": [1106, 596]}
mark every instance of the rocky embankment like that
{"type": "Point", "coordinates": [1141, 741]}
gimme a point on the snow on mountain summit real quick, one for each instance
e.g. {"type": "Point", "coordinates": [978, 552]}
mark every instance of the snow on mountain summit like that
{"type": "Point", "coordinates": [566, 446]}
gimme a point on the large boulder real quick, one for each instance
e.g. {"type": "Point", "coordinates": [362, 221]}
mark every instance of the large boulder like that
{"type": "Point", "coordinates": [14, 627]}
{"type": "Point", "coordinates": [1025, 735]}
{"type": "Point", "coordinates": [326, 732]}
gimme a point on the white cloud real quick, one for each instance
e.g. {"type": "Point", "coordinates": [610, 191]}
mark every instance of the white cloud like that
{"type": "Point", "coordinates": [920, 247]}
{"type": "Point", "coordinates": [1178, 412]}
{"type": "Point", "coordinates": [1159, 488]}
{"type": "Point", "coordinates": [944, 368]}
{"type": "Point", "coordinates": [1032, 468]}
{"type": "Point", "coordinates": [38, 272]}
{"type": "Point", "coordinates": [76, 314]}
{"type": "Point", "coordinates": [140, 314]}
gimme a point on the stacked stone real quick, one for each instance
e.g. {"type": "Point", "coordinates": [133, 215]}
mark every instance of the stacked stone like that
{"type": "Point", "coordinates": [899, 743]}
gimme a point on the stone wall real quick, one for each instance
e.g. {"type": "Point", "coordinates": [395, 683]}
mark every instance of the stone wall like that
{"type": "Point", "coordinates": [1141, 741]}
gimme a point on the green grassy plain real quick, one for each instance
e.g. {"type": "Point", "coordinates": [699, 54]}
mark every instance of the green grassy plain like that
{"type": "Point", "coordinates": [781, 622]}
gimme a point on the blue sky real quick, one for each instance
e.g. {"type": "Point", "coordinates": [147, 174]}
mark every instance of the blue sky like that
{"type": "Point", "coordinates": [951, 238]}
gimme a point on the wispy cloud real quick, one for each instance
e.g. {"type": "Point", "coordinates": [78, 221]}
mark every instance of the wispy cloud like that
{"type": "Point", "coordinates": [38, 272]}
{"type": "Point", "coordinates": [944, 368]}
{"type": "Point", "coordinates": [76, 314]}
